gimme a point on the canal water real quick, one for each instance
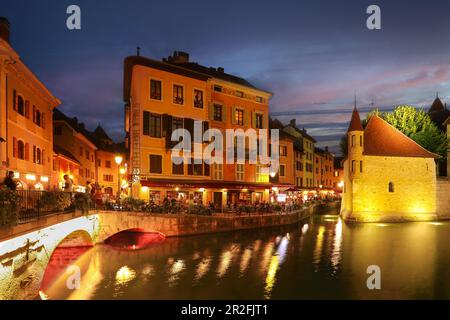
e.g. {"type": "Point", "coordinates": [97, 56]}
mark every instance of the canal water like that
{"type": "Point", "coordinates": [319, 258]}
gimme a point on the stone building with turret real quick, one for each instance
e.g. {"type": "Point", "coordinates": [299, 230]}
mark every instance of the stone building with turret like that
{"type": "Point", "coordinates": [387, 176]}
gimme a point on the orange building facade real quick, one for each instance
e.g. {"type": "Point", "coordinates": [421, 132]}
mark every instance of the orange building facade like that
{"type": "Point", "coordinates": [26, 107]}
{"type": "Point", "coordinates": [162, 96]}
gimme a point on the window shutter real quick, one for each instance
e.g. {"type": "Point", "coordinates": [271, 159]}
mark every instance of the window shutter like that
{"type": "Point", "coordinates": [146, 123]}
{"type": "Point", "coordinates": [253, 119]}
{"type": "Point", "coordinates": [14, 147]}
{"type": "Point", "coordinates": [207, 170]}
{"type": "Point", "coordinates": [15, 100]}
{"type": "Point", "coordinates": [205, 126]}
{"type": "Point", "coordinates": [43, 120]}
{"type": "Point", "coordinates": [168, 129]}
{"type": "Point", "coordinates": [246, 117]}
{"type": "Point", "coordinates": [34, 114]}
{"type": "Point", "coordinates": [27, 109]}
{"type": "Point", "coordinates": [27, 151]}
{"type": "Point", "coordinates": [265, 122]}
{"type": "Point", "coordinates": [233, 116]}
{"type": "Point", "coordinates": [43, 157]}
{"type": "Point", "coordinates": [34, 154]}
{"type": "Point", "coordinates": [211, 111]}
{"type": "Point", "coordinates": [189, 126]}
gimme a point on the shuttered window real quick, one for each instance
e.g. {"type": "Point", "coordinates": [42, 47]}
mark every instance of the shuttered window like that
{"type": "Point", "coordinates": [155, 163]}
{"type": "Point", "coordinates": [152, 124]}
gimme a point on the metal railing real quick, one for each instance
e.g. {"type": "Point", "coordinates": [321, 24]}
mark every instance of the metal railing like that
{"type": "Point", "coordinates": [34, 204]}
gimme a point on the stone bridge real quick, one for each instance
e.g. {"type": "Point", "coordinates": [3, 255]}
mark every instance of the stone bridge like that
{"type": "Point", "coordinates": [25, 250]}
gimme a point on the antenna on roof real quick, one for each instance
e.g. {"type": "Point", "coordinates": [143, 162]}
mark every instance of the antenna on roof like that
{"type": "Point", "coordinates": [355, 99]}
{"type": "Point", "coordinates": [138, 51]}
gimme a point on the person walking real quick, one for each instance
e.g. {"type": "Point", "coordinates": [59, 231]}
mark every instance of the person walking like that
{"type": "Point", "coordinates": [68, 183]}
{"type": "Point", "coordinates": [9, 181]}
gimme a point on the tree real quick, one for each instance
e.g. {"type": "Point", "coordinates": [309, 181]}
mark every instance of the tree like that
{"type": "Point", "coordinates": [414, 123]}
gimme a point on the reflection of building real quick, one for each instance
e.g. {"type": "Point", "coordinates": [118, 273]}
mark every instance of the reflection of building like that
{"type": "Point", "coordinates": [162, 96]}
{"type": "Point", "coordinates": [387, 176]}
{"type": "Point", "coordinates": [25, 119]}
{"type": "Point", "coordinates": [306, 155]}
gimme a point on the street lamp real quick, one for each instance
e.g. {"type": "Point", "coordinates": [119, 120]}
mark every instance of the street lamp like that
{"type": "Point", "coordinates": [118, 160]}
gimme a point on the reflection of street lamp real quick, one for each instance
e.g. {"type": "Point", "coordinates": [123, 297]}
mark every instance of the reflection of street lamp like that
{"type": "Point", "coordinates": [118, 160]}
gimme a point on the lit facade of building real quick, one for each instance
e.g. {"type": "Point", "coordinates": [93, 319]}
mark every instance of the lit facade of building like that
{"type": "Point", "coordinates": [323, 168]}
{"type": "Point", "coordinates": [162, 96]}
{"type": "Point", "coordinates": [285, 177]}
{"type": "Point", "coordinates": [307, 147]}
{"type": "Point", "coordinates": [111, 163]}
{"type": "Point", "coordinates": [387, 176]}
{"type": "Point", "coordinates": [26, 107]}
{"type": "Point", "coordinates": [64, 163]}
{"type": "Point", "coordinates": [72, 136]}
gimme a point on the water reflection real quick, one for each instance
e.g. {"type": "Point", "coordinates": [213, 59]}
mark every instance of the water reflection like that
{"type": "Point", "coordinates": [323, 258]}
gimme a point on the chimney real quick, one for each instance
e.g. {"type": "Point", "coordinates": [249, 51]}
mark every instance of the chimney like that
{"type": "Point", "coordinates": [4, 29]}
{"type": "Point", "coordinates": [221, 70]}
{"type": "Point", "coordinates": [293, 123]}
{"type": "Point", "coordinates": [179, 57]}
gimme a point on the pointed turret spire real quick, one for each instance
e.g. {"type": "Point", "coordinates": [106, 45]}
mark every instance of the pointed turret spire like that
{"type": "Point", "coordinates": [355, 122]}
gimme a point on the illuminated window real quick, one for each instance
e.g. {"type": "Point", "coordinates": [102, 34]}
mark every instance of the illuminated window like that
{"type": "Point", "coordinates": [391, 187]}
{"type": "Point", "coordinates": [239, 117]}
{"type": "Point", "coordinates": [240, 172]}
{"type": "Point", "coordinates": [218, 171]}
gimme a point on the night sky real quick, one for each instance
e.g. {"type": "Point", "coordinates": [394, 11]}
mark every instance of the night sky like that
{"type": "Point", "coordinates": [314, 55]}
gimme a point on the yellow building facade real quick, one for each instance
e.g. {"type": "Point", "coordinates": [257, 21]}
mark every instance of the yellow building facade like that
{"type": "Point", "coordinates": [26, 129]}
{"type": "Point", "coordinates": [387, 176]}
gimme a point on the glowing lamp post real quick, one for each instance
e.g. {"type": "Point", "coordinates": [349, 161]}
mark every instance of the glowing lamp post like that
{"type": "Point", "coordinates": [118, 160]}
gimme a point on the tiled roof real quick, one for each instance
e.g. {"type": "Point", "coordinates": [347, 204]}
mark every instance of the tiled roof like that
{"type": "Point", "coordinates": [355, 122]}
{"type": "Point", "coordinates": [382, 139]}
